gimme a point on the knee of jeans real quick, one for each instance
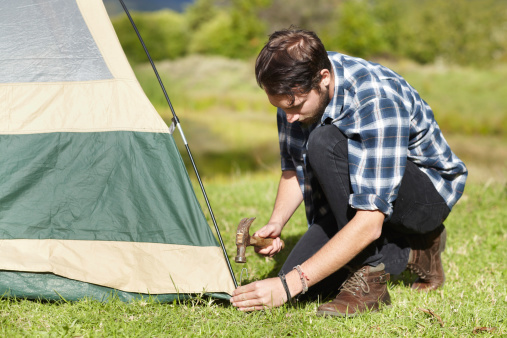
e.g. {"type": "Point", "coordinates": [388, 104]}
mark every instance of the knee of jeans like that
{"type": "Point", "coordinates": [327, 138]}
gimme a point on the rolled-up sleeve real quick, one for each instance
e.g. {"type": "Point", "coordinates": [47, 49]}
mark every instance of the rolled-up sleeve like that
{"type": "Point", "coordinates": [378, 147]}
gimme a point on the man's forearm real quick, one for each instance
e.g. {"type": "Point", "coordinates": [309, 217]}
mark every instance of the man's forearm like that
{"type": "Point", "coordinates": [288, 198]}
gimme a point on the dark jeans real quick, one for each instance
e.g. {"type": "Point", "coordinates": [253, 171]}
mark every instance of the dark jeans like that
{"type": "Point", "coordinates": [418, 209]}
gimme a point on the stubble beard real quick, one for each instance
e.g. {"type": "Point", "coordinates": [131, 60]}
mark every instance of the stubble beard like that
{"type": "Point", "coordinates": [321, 108]}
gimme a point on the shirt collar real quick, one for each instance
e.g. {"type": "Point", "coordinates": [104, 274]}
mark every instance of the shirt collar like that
{"type": "Point", "coordinates": [334, 107]}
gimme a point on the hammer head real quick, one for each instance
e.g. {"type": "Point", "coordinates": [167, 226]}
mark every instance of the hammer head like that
{"type": "Point", "coordinates": [243, 238]}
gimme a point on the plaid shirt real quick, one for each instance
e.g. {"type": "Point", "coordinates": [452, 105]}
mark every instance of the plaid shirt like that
{"type": "Point", "coordinates": [386, 123]}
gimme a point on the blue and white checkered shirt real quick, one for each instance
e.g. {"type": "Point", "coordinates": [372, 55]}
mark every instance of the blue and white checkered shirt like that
{"type": "Point", "coordinates": [386, 123]}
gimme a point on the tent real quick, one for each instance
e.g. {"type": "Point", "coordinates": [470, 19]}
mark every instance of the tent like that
{"type": "Point", "coordinates": [94, 198]}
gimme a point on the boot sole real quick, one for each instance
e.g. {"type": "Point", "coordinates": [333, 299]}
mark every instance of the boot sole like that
{"type": "Point", "coordinates": [342, 315]}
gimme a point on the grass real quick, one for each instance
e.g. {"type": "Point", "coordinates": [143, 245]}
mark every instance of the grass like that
{"type": "Point", "coordinates": [232, 132]}
{"type": "Point", "coordinates": [474, 297]}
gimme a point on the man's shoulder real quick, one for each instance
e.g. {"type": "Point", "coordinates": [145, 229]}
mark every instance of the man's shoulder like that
{"type": "Point", "coordinates": [357, 70]}
{"type": "Point", "coordinates": [365, 81]}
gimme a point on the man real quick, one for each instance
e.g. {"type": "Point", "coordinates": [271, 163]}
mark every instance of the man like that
{"type": "Point", "coordinates": [363, 151]}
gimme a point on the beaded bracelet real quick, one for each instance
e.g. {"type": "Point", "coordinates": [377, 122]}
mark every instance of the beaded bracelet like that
{"type": "Point", "coordinates": [285, 286]}
{"type": "Point", "coordinates": [302, 277]}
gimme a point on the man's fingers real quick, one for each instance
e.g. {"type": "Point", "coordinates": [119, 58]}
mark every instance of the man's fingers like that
{"type": "Point", "coordinates": [242, 290]}
{"type": "Point", "coordinates": [278, 243]}
{"type": "Point", "coordinates": [251, 308]}
{"type": "Point", "coordinates": [263, 232]}
{"type": "Point", "coordinates": [275, 247]}
{"type": "Point", "coordinates": [265, 251]}
{"type": "Point", "coordinates": [272, 249]}
{"type": "Point", "coordinates": [247, 293]}
{"type": "Point", "coordinates": [250, 304]}
{"type": "Point", "coordinates": [258, 295]}
{"type": "Point", "coordinates": [269, 230]}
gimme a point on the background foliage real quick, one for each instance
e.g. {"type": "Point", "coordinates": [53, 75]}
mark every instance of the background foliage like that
{"type": "Point", "coordinates": [472, 32]}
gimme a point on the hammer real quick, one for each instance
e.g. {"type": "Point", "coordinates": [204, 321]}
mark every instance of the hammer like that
{"type": "Point", "coordinates": [243, 239]}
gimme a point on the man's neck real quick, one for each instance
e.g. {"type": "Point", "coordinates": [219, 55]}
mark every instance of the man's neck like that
{"type": "Point", "coordinates": [331, 84]}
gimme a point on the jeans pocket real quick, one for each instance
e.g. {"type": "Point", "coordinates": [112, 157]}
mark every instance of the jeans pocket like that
{"type": "Point", "coordinates": [422, 218]}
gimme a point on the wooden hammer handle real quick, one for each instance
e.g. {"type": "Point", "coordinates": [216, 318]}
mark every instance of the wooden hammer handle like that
{"type": "Point", "coordinates": [263, 242]}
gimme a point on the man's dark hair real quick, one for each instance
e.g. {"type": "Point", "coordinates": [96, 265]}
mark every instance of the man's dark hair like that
{"type": "Point", "coordinates": [291, 61]}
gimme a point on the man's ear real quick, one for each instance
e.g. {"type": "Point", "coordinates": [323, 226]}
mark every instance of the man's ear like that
{"type": "Point", "coordinates": [325, 77]}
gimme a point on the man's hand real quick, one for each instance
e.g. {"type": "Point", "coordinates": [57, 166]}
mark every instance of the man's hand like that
{"type": "Point", "coordinates": [288, 198]}
{"type": "Point", "coordinates": [259, 295]}
{"type": "Point", "coordinates": [362, 230]}
{"type": "Point", "coordinates": [270, 230]}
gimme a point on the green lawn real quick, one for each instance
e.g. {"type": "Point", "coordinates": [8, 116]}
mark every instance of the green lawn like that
{"type": "Point", "coordinates": [474, 296]}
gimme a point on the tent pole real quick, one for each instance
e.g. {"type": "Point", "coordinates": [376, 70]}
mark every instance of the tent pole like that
{"type": "Point", "coordinates": [177, 123]}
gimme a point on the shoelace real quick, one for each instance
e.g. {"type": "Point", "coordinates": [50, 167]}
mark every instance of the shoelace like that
{"type": "Point", "coordinates": [355, 281]}
{"type": "Point", "coordinates": [415, 269]}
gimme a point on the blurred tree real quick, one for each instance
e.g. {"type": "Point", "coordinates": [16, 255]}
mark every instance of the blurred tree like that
{"type": "Point", "coordinates": [356, 29]}
{"type": "Point", "coordinates": [471, 31]}
{"type": "Point", "coordinates": [247, 26]}
{"type": "Point", "coordinates": [213, 36]}
{"type": "Point", "coordinates": [463, 32]}
{"type": "Point", "coordinates": [234, 31]}
{"type": "Point", "coordinates": [200, 12]}
{"type": "Point", "coordinates": [282, 14]}
{"type": "Point", "coordinates": [389, 15]}
{"type": "Point", "coordinates": [467, 32]}
{"type": "Point", "coordinates": [164, 32]}
{"type": "Point", "coordinates": [422, 30]}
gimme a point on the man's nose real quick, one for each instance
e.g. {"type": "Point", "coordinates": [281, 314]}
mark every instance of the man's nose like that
{"type": "Point", "coordinates": [292, 117]}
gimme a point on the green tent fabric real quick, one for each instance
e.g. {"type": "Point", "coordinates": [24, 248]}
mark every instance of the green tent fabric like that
{"type": "Point", "coordinates": [94, 198]}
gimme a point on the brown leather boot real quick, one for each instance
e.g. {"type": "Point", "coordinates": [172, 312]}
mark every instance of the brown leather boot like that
{"type": "Point", "coordinates": [425, 261]}
{"type": "Point", "coordinates": [364, 290]}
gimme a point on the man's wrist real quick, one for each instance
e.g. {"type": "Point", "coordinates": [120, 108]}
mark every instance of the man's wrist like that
{"type": "Point", "coordinates": [285, 287]}
{"type": "Point", "coordinates": [277, 222]}
{"type": "Point", "coordinates": [294, 283]}
{"type": "Point", "coordinates": [276, 219]}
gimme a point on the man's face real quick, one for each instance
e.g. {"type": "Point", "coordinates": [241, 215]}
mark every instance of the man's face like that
{"type": "Point", "coordinates": [307, 108]}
